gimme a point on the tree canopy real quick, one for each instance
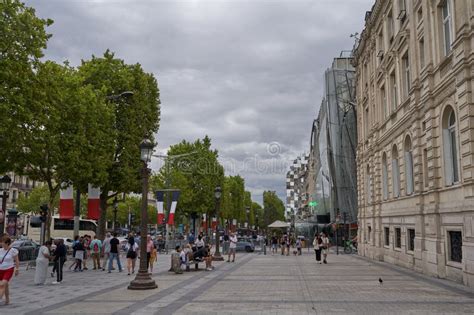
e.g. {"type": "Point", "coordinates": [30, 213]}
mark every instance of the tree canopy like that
{"type": "Point", "coordinates": [23, 39]}
{"type": "Point", "coordinates": [134, 118]}
{"type": "Point", "coordinates": [193, 168]}
{"type": "Point", "coordinates": [273, 208]}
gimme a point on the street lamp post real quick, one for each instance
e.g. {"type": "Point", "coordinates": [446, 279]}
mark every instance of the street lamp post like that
{"type": "Point", "coordinates": [5, 183]}
{"type": "Point", "coordinates": [143, 280]}
{"type": "Point", "coordinates": [256, 221]}
{"type": "Point", "coordinates": [115, 206]}
{"type": "Point", "coordinates": [217, 254]}
{"type": "Point", "coordinates": [247, 210]}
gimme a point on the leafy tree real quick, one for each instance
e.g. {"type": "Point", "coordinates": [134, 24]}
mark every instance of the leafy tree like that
{"type": "Point", "coordinates": [136, 117]}
{"type": "Point", "coordinates": [65, 133]}
{"type": "Point", "coordinates": [273, 208]}
{"type": "Point", "coordinates": [23, 37]}
{"type": "Point", "coordinates": [38, 196]}
{"type": "Point", "coordinates": [258, 210]}
{"type": "Point", "coordinates": [193, 168]}
{"type": "Point", "coordinates": [233, 206]}
{"type": "Point", "coordinates": [131, 204]}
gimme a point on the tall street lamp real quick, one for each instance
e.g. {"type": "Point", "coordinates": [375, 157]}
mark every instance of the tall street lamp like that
{"type": "Point", "coordinates": [256, 222]}
{"type": "Point", "coordinates": [143, 280]}
{"type": "Point", "coordinates": [217, 254]}
{"type": "Point", "coordinates": [247, 210]}
{"type": "Point", "coordinates": [115, 206]}
{"type": "Point", "coordinates": [5, 183]}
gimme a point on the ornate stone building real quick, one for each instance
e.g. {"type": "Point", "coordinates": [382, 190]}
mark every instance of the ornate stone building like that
{"type": "Point", "coordinates": [415, 155]}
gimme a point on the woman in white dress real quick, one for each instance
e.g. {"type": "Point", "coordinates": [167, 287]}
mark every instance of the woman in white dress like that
{"type": "Point", "coordinates": [42, 263]}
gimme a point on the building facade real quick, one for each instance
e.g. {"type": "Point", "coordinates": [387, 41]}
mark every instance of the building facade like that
{"type": "Point", "coordinates": [415, 153]}
{"type": "Point", "coordinates": [296, 195]}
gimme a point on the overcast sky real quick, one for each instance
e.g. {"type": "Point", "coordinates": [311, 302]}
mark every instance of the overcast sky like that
{"type": "Point", "coordinates": [247, 73]}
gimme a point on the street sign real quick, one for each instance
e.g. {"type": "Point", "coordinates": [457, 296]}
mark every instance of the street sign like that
{"type": "Point", "coordinates": [313, 203]}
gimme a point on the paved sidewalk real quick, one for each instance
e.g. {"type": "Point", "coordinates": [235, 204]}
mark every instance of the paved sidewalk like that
{"type": "Point", "coordinates": [254, 284]}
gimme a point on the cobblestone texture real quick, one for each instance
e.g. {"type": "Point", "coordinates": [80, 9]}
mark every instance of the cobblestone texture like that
{"type": "Point", "coordinates": [254, 284]}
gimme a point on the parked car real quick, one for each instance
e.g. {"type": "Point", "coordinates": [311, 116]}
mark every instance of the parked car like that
{"type": "Point", "coordinates": [27, 249]}
{"type": "Point", "coordinates": [245, 246]}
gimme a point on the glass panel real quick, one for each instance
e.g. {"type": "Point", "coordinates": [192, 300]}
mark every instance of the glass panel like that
{"type": "Point", "coordinates": [411, 239]}
{"type": "Point", "coordinates": [454, 156]}
{"type": "Point", "coordinates": [455, 243]}
{"type": "Point", "coordinates": [398, 238]}
{"type": "Point", "coordinates": [387, 236]}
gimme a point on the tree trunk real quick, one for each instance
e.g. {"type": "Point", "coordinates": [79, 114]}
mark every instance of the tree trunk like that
{"type": "Point", "coordinates": [52, 193]}
{"type": "Point", "coordinates": [104, 195]}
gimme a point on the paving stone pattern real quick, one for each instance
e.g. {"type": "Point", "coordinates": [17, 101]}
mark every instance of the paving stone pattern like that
{"type": "Point", "coordinates": [254, 284]}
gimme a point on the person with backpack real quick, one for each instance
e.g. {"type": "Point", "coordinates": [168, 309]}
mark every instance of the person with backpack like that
{"type": "Point", "coordinates": [79, 254]}
{"type": "Point", "coordinates": [318, 244]}
{"type": "Point", "coordinates": [96, 247]}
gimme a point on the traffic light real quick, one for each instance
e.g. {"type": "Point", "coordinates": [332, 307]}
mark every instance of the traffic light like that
{"type": "Point", "coordinates": [44, 212]}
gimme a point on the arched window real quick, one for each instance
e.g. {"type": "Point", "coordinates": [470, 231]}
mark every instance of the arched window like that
{"type": "Point", "coordinates": [395, 173]}
{"type": "Point", "coordinates": [408, 166]}
{"type": "Point", "coordinates": [450, 147]}
{"type": "Point", "coordinates": [368, 185]}
{"type": "Point", "coordinates": [384, 177]}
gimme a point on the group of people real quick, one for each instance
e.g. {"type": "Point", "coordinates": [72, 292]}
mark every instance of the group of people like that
{"type": "Point", "coordinates": [285, 242]}
{"type": "Point", "coordinates": [133, 252]}
{"type": "Point", "coordinates": [321, 245]}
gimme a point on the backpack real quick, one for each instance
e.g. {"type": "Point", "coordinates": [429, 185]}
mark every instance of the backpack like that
{"type": "Point", "coordinates": [96, 247]}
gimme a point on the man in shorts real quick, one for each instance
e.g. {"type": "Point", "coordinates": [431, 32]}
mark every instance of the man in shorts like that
{"type": "Point", "coordinates": [232, 247]}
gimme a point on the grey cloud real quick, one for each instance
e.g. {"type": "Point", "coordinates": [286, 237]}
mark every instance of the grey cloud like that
{"type": "Point", "coordinates": [246, 73]}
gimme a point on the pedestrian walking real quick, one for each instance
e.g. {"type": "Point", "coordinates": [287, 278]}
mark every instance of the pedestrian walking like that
{"type": "Point", "coordinates": [76, 240]}
{"type": "Point", "coordinates": [96, 247]}
{"type": "Point", "coordinates": [42, 263]}
{"type": "Point", "coordinates": [274, 244]}
{"type": "Point", "coordinates": [208, 258]}
{"type": "Point", "coordinates": [153, 257]}
{"type": "Point", "coordinates": [132, 248]}
{"type": "Point", "coordinates": [326, 245]}
{"type": "Point", "coordinates": [191, 238]}
{"type": "Point", "coordinates": [114, 252]}
{"type": "Point", "coordinates": [149, 248]}
{"type": "Point", "coordinates": [288, 245]}
{"type": "Point", "coordinates": [225, 247]}
{"type": "Point", "coordinates": [79, 254]}
{"type": "Point", "coordinates": [9, 264]}
{"type": "Point", "coordinates": [232, 247]}
{"type": "Point", "coordinates": [298, 246]}
{"type": "Point", "coordinates": [283, 244]}
{"type": "Point", "coordinates": [60, 255]}
{"type": "Point", "coordinates": [106, 250]}
{"type": "Point", "coordinates": [87, 252]}
{"type": "Point", "coordinates": [318, 244]}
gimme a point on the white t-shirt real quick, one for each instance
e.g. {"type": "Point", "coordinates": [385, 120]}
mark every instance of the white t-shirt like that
{"type": "Point", "coordinates": [8, 258]}
{"type": "Point", "coordinates": [233, 241]}
{"type": "Point", "coordinates": [199, 243]}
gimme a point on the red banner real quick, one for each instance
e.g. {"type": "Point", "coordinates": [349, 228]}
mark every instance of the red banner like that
{"type": "Point", "coordinates": [66, 203]}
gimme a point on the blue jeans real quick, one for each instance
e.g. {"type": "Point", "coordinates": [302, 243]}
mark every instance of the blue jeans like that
{"type": "Point", "coordinates": [111, 259]}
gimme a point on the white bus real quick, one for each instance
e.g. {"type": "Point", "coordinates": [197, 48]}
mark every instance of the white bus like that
{"type": "Point", "coordinates": [61, 228]}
